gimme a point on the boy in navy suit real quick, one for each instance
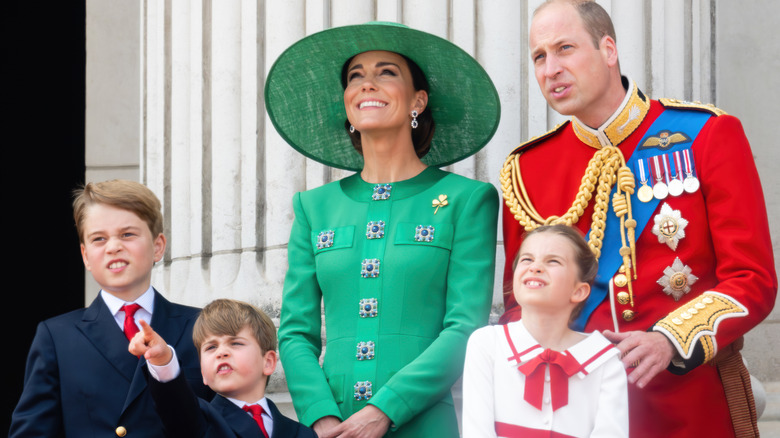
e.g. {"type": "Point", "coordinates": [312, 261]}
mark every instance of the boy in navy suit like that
{"type": "Point", "coordinates": [80, 380]}
{"type": "Point", "coordinates": [237, 347]}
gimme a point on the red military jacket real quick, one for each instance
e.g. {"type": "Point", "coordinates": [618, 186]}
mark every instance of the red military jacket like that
{"type": "Point", "coordinates": [704, 285]}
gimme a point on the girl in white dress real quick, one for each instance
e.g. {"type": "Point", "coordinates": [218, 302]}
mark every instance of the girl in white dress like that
{"type": "Point", "coordinates": [536, 377]}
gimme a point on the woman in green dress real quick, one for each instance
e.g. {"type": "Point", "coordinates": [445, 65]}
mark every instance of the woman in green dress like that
{"type": "Point", "coordinates": [401, 254]}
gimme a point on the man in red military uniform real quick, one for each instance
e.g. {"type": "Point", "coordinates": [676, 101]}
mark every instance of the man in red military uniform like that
{"type": "Point", "coordinates": [670, 199]}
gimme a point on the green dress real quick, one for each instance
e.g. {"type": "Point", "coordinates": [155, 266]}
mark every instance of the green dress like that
{"type": "Point", "coordinates": [403, 284]}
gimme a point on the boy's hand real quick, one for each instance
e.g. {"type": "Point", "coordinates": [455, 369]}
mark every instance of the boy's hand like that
{"type": "Point", "coordinates": [150, 345]}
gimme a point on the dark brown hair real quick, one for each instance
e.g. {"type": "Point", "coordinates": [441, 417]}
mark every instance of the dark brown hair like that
{"type": "Point", "coordinates": [423, 134]}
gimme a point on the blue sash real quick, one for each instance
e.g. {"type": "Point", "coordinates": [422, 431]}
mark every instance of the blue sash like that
{"type": "Point", "coordinates": [685, 121]}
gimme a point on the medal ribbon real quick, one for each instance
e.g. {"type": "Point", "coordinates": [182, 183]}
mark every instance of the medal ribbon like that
{"type": "Point", "coordinates": [640, 167]}
{"type": "Point", "coordinates": [667, 175]}
{"type": "Point", "coordinates": [689, 122]}
{"type": "Point", "coordinates": [689, 168]}
{"type": "Point", "coordinates": [676, 168]}
{"type": "Point", "coordinates": [658, 176]}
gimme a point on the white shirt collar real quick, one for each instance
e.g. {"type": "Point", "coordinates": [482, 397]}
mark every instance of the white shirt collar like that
{"type": "Point", "coordinates": [591, 352]}
{"type": "Point", "coordinates": [114, 304]}
{"type": "Point", "coordinates": [268, 420]}
{"type": "Point", "coordinates": [146, 301]}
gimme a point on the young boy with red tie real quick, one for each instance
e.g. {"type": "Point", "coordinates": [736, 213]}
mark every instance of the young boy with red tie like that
{"type": "Point", "coordinates": [80, 380]}
{"type": "Point", "coordinates": [237, 347]}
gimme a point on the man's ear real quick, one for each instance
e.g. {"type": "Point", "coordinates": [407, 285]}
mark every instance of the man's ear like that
{"type": "Point", "coordinates": [608, 47]}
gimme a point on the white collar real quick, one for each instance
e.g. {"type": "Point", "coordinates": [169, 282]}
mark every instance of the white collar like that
{"type": "Point", "coordinates": [146, 301]}
{"type": "Point", "coordinates": [262, 402]}
{"type": "Point", "coordinates": [591, 352]}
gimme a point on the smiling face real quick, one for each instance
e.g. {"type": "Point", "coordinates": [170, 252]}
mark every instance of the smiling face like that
{"type": "Point", "coordinates": [119, 250]}
{"type": "Point", "coordinates": [236, 366]}
{"type": "Point", "coordinates": [380, 93]}
{"type": "Point", "coordinates": [547, 276]}
{"type": "Point", "coordinates": [575, 77]}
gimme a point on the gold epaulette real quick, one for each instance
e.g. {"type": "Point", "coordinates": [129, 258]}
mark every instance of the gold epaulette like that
{"type": "Point", "coordinates": [536, 140]}
{"type": "Point", "coordinates": [698, 106]}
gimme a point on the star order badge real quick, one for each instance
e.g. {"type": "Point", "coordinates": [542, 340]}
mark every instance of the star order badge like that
{"type": "Point", "coordinates": [669, 226]}
{"type": "Point", "coordinates": [677, 279]}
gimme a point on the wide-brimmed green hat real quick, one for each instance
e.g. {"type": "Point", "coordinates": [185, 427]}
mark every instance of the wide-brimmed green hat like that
{"type": "Point", "coordinates": [305, 99]}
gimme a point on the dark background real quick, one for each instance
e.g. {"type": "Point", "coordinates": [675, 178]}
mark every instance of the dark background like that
{"type": "Point", "coordinates": [45, 47]}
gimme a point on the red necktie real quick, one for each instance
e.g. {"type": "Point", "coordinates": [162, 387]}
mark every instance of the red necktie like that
{"type": "Point", "coordinates": [131, 328]}
{"type": "Point", "coordinates": [562, 366]}
{"type": "Point", "coordinates": [257, 414]}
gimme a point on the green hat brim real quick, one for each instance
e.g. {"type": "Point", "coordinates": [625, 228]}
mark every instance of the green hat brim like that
{"type": "Point", "coordinates": [305, 99]}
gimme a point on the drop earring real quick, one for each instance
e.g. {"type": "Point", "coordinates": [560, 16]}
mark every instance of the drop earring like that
{"type": "Point", "coordinates": [351, 129]}
{"type": "Point", "coordinates": [414, 119]}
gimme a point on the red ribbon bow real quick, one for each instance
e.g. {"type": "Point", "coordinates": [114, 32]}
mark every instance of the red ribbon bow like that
{"type": "Point", "coordinates": [562, 366]}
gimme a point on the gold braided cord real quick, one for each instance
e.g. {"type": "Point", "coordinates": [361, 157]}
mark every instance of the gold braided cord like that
{"type": "Point", "coordinates": [607, 167]}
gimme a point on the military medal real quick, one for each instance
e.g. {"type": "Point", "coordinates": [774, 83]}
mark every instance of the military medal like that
{"type": "Point", "coordinates": [677, 279]}
{"type": "Point", "coordinates": [660, 190]}
{"type": "Point", "coordinates": [675, 176]}
{"type": "Point", "coordinates": [691, 183]}
{"type": "Point", "coordinates": [669, 226]}
{"type": "Point", "coordinates": [645, 193]}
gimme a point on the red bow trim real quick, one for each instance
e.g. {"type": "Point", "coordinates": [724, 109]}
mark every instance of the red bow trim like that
{"type": "Point", "coordinates": [562, 366]}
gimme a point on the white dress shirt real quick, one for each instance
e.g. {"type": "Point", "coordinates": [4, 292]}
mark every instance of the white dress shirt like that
{"type": "Point", "coordinates": [146, 301]}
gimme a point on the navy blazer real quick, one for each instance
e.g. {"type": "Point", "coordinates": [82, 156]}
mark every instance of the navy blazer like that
{"type": "Point", "coordinates": [80, 380]}
{"type": "Point", "coordinates": [187, 416]}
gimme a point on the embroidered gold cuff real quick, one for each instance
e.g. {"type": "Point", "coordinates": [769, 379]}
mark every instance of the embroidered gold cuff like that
{"type": "Point", "coordinates": [697, 321]}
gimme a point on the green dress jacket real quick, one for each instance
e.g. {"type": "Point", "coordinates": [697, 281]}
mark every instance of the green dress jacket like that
{"type": "Point", "coordinates": [405, 273]}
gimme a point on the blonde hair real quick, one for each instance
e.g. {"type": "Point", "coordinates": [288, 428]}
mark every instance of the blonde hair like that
{"type": "Point", "coordinates": [226, 317]}
{"type": "Point", "coordinates": [127, 195]}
